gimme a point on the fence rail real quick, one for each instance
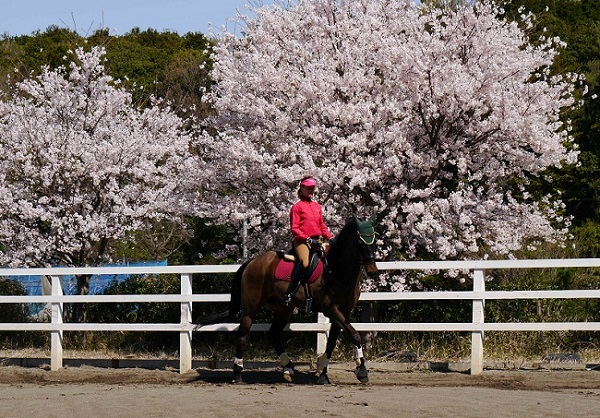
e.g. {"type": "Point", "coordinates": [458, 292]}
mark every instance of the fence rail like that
{"type": "Point", "coordinates": [186, 328]}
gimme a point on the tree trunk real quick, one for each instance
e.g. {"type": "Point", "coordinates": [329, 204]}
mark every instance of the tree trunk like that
{"type": "Point", "coordinates": [83, 288]}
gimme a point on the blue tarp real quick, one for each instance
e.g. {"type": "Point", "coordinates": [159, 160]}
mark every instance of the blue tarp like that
{"type": "Point", "coordinates": [33, 284]}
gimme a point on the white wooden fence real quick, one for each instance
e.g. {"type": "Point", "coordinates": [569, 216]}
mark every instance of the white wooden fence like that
{"type": "Point", "coordinates": [185, 327]}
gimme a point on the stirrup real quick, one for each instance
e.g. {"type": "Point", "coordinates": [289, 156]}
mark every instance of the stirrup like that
{"type": "Point", "coordinates": [308, 304]}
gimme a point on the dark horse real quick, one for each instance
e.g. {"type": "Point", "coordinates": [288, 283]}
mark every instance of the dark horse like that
{"type": "Point", "coordinates": [335, 293]}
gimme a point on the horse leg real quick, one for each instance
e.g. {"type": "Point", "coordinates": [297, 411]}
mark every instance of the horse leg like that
{"type": "Point", "coordinates": [362, 374]}
{"type": "Point", "coordinates": [361, 371]}
{"type": "Point", "coordinates": [323, 359]}
{"type": "Point", "coordinates": [240, 345]}
{"type": "Point", "coordinates": [274, 336]}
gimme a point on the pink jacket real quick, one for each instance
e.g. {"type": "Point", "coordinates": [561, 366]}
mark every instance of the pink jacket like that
{"type": "Point", "coordinates": [306, 219]}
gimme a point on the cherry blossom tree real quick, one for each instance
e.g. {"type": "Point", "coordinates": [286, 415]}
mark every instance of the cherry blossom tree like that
{"type": "Point", "coordinates": [81, 167]}
{"type": "Point", "coordinates": [435, 119]}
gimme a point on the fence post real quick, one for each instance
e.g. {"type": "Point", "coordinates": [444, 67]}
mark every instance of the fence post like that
{"type": "Point", "coordinates": [478, 318]}
{"type": "Point", "coordinates": [185, 337]}
{"type": "Point", "coordinates": [322, 335]}
{"type": "Point", "coordinates": [56, 336]}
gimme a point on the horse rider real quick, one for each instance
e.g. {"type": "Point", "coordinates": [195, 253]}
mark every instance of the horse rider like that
{"type": "Point", "coordinates": [307, 225]}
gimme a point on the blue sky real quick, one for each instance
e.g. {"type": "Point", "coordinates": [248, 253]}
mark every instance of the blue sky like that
{"type": "Point", "coordinates": [23, 17]}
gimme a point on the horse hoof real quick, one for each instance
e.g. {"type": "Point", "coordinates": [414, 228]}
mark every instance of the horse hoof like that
{"type": "Point", "coordinates": [323, 379]}
{"type": "Point", "coordinates": [237, 374]}
{"type": "Point", "coordinates": [288, 374]}
{"type": "Point", "coordinates": [362, 374]}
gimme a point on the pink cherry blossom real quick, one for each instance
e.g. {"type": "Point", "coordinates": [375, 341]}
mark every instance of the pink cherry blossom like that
{"type": "Point", "coordinates": [80, 166]}
{"type": "Point", "coordinates": [418, 114]}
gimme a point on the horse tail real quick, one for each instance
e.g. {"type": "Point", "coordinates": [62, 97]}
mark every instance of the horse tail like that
{"type": "Point", "coordinates": [235, 305]}
{"type": "Point", "coordinates": [217, 318]}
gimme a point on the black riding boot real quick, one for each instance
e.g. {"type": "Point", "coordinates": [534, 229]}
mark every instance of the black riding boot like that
{"type": "Point", "coordinates": [297, 276]}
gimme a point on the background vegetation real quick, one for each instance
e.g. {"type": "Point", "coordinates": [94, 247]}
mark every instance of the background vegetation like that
{"type": "Point", "coordinates": [176, 67]}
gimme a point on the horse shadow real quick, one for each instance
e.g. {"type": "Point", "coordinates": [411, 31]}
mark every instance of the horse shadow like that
{"type": "Point", "coordinates": [254, 376]}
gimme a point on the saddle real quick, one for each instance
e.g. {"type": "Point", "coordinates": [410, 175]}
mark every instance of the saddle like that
{"type": "Point", "coordinates": [286, 264]}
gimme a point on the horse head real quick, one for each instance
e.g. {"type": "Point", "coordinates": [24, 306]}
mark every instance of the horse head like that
{"type": "Point", "coordinates": [366, 242]}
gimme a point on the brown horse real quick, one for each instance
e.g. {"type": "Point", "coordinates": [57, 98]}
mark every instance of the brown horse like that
{"type": "Point", "coordinates": [335, 293]}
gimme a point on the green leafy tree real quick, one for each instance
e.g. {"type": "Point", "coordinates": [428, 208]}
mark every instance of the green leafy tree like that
{"type": "Point", "coordinates": [23, 56]}
{"type": "Point", "coordinates": [578, 24]}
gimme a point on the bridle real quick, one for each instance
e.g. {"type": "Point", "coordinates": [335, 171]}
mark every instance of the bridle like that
{"type": "Point", "coordinates": [366, 241]}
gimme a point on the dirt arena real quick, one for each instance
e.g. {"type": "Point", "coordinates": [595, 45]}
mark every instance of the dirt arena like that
{"type": "Point", "coordinates": [135, 392]}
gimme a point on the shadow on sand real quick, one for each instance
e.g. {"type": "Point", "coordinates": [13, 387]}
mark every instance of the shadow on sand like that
{"type": "Point", "coordinates": [264, 377]}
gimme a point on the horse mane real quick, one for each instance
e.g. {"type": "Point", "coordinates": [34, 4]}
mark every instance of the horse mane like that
{"type": "Point", "coordinates": [344, 241]}
{"type": "Point", "coordinates": [347, 231]}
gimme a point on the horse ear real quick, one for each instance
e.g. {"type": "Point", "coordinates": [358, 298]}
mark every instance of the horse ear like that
{"type": "Point", "coordinates": [373, 218]}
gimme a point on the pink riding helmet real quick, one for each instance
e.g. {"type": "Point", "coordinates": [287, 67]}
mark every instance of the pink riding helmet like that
{"type": "Point", "coordinates": [309, 182]}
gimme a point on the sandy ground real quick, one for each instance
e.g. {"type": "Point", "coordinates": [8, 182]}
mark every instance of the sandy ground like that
{"type": "Point", "coordinates": [104, 392]}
